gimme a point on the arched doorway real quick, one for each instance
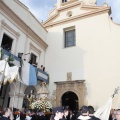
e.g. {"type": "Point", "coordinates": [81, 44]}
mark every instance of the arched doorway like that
{"type": "Point", "coordinates": [70, 99]}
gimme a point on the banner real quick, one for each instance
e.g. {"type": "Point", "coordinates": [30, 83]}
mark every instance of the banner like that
{"type": "Point", "coordinates": [7, 73]}
{"type": "Point", "coordinates": [43, 76]}
{"type": "Point", "coordinates": [104, 112]}
{"type": "Point", "coordinates": [28, 74]}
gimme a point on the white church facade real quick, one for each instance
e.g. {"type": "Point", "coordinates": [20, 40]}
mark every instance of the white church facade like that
{"type": "Point", "coordinates": [78, 45]}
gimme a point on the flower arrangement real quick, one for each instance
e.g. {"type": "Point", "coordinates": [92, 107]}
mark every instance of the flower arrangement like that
{"type": "Point", "coordinates": [42, 104]}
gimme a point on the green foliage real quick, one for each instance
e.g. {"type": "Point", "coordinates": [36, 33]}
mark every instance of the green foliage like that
{"type": "Point", "coordinates": [2, 54]}
{"type": "Point", "coordinates": [10, 60]}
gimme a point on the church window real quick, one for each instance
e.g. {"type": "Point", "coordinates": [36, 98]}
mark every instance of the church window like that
{"type": "Point", "coordinates": [70, 38]}
{"type": "Point", "coordinates": [33, 59]}
{"type": "Point", "coordinates": [6, 42]}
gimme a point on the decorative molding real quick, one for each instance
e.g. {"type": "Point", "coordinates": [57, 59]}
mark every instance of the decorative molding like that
{"type": "Point", "coordinates": [20, 24]}
{"type": "Point", "coordinates": [76, 86]}
{"type": "Point", "coordinates": [90, 2]}
{"type": "Point", "coordinates": [69, 76]}
{"type": "Point", "coordinates": [96, 9]}
{"type": "Point", "coordinates": [91, 13]}
{"type": "Point", "coordinates": [8, 28]}
{"type": "Point", "coordinates": [69, 2]}
{"type": "Point", "coordinates": [69, 6]}
{"type": "Point", "coordinates": [69, 28]}
{"type": "Point", "coordinates": [35, 49]}
{"type": "Point", "coordinates": [69, 82]}
{"type": "Point", "coordinates": [22, 5]}
{"type": "Point", "coordinates": [11, 94]}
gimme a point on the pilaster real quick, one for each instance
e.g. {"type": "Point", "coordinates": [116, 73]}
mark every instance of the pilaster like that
{"type": "Point", "coordinates": [16, 100]}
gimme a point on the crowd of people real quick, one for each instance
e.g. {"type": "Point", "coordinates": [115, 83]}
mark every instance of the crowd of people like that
{"type": "Point", "coordinates": [58, 113]}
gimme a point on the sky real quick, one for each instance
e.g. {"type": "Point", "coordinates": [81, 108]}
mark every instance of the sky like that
{"type": "Point", "coordinates": [41, 8]}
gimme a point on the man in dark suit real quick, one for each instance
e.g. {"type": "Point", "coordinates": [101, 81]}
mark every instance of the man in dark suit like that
{"type": "Point", "coordinates": [71, 115]}
{"type": "Point", "coordinates": [91, 112]}
{"type": "Point", "coordinates": [6, 114]}
{"type": "Point", "coordinates": [58, 111]}
{"type": "Point", "coordinates": [84, 114]}
{"type": "Point", "coordinates": [65, 113]}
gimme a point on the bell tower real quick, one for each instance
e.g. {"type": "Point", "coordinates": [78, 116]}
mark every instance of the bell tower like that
{"type": "Point", "coordinates": [61, 3]}
{"type": "Point", "coordinates": [64, 1]}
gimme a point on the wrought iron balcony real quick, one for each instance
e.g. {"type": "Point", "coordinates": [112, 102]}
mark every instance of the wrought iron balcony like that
{"type": "Point", "coordinates": [41, 75]}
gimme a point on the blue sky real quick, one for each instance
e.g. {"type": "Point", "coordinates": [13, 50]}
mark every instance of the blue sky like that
{"type": "Point", "coordinates": [40, 8]}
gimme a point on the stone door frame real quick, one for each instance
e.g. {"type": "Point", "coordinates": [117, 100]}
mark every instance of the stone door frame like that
{"type": "Point", "coordinates": [76, 86]}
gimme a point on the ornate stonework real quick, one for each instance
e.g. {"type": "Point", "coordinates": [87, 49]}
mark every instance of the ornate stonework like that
{"type": "Point", "coordinates": [69, 76]}
{"type": "Point", "coordinates": [35, 49]}
{"type": "Point", "coordinates": [88, 2]}
{"type": "Point", "coordinates": [76, 86]}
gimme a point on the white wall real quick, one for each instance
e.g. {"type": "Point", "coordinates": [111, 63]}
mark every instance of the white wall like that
{"type": "Point", "coordinates": [95, 58]}
{"type": "Point", "coordinates": [20, 43]}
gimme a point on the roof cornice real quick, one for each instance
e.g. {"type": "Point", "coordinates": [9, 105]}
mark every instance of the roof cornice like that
{"type": "Point", "coordinates": [9, 14]}
{"type": "Point", "coordinates": [61, 9]}
{"type": "Point", "coordinates": [27, 9]}
{"type": "Point", "coordinates": [70, 5]}
{"type": "Point", "coordinates": [97, 11]}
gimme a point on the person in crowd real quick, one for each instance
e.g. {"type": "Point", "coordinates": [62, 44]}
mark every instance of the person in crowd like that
{"type": "Point", "coordinates": [52, 115]}
{"type": "Point", "coordinates": [6, 114]}
{"type": "Point", "coordinates": [71, 115]}
{"type": "Point", "coordinates": [22, 114]}
{"type": "Point", "coordinates": [111, 114]}
{"type": "Point", "coordinates": [0, 111]}
{"type": "Point", "coordinates": [41, 67]}
{"type": "Point", "coordinates": [34, 115]}
{"type": "Point", "coordinates": [65, 113]}
{"type": "Point", "coordinates": [118, 114]}
{"type": "Point", "coordinates": [11, 117]}
{"type": "Point", "coordinates": [78, 113]}
{"type": "Point", "coordinates": [28, 115]}
{"type": "Point", "coordinates": [58, 113]}
{"type": "Point", "coordinates": [84, 114]}
{"type": "Point", "coordinates": [91, 112]}
{"type": "Point", "coordinates": [114, 114]}
{"type": "Point", "coordinates": [41, 115]}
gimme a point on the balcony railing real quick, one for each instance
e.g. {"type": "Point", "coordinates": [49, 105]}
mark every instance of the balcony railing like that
{"type": "Point", "coordinates": [41, 75]}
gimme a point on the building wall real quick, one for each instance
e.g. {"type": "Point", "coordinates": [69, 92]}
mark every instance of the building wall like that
{"type": "Point", "coordinates": [22, 39]}
{"type": "Point", "coordinates": [95, 58]}
{"type": "Point", "coordinates": [28, 37]}
{"type": "Point", "coordinates": [25, 15]}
